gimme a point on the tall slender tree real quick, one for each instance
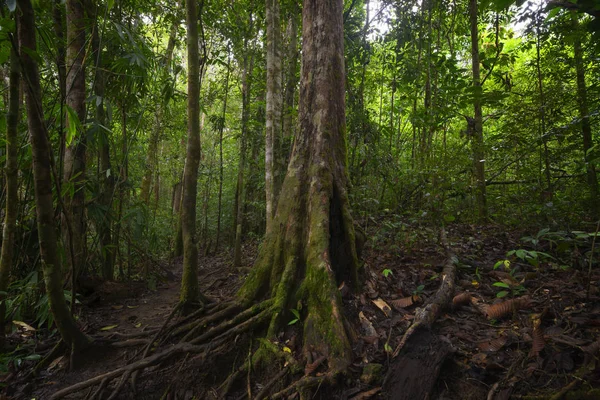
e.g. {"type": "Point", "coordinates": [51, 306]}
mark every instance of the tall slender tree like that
{"type": "Point", "coordinates": [190, 293]}
{"type": "Point", "coordinates": [11, 173]}
{"type": "Point", "coordinates": [477, 137]}
{"type": "Point", "coordinates": [75, 154]}
{"type": "Point", "coordinates": [40, 147]}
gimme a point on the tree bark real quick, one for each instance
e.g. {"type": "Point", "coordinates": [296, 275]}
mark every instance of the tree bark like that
{"type": "Point", "coordinates": [40, 148]}
{"type": "Point", "coordinates": [311, 247]}
{"type": "Point", "coordinates": [290, 85]}
{"type": "Point", "coordinates": [477, 139]}
{"type": "Point", "coordinates": [190, 292]}
{"type": "Point", "coordinates": [274, 106]}
{"type": "Point", "coordinates": [584, 115]}
{"type": "Point", "coordinates": [240, 198]}
{"type": "Point", "coordinates": [221, 128]}
{"type": "Point", "coordinates": [75, 157]}
{"type": "Point", "coordinates": [11, 173]}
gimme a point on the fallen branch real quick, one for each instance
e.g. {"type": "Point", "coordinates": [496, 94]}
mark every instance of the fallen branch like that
{"type": "Point", "coordinates": [427, 315]}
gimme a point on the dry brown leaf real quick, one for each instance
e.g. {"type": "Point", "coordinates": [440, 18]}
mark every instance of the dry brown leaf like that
{"type": "Point", "coordinates": [500, 310]}
{"type": "Point", "coordinates": [461, 299]}
{"type": "Point", "coordinates": [538, 338]}
{"type": "Point", "coordinates": [366, 395]}
{"type": "Point", "coordinates": [492, 345]}
{"type": "Point", "coordinates": [403, 303]}
{"type": "Point", "coordinates": [383, 306]}
{"type": "Point", "coordinates": [117, 307]}
{"type": "Point", "coordinates": [310, 368]}
{"type": "Point", "coordinates": [367, 325]}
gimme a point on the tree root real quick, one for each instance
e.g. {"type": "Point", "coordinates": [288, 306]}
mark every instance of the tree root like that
{"type": "Point", "coordinates": [426, 316]}
{"type": "Point", "coordinates": [128, 369]}
{"type": "Point", "coordinates": [267, 388]}
{"type": "Point", "coordinates": [215, 338]}
{"type": "Point", "coordinates": [304, 383]}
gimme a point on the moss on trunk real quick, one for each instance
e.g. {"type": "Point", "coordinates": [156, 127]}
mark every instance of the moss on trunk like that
{"type": "Point", "coordinates": [310, 249]}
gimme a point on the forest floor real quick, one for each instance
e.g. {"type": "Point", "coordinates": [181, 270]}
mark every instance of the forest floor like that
{"type": "Point", "coordinates": [541, 341]}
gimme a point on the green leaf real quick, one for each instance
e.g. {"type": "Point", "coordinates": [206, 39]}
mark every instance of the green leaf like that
{"type": "Point", "coordinates": [387, 272]}
{"type": "Point", "coordinates": [501, 294]}
{"type": "Point", "coordinates": [110, 4]}
{"type": "Point", "coordinates": [502, 285]}
{"type": "Point", "coordinates": [73, 122]}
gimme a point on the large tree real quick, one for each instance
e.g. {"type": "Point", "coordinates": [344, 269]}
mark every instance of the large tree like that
{"type": "Point", "coordinates": [310, 249]}
{"type": "Point", "coordinates": [274, 107]}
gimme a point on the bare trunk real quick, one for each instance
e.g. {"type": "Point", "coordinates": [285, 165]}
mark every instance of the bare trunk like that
{"type": "Point", "coordinates": [311, 247]}
{"type": "Point", "coordinates": [240, 193]}
{"type": "Point", "coordinates": [11, 172]}
{"type": "Point", "coordinates": [190, 292]}
{"type": "Point", "coordinates": [75, 157]}
{"type": "Point", "coordinates": [274, 105]}
{"type": "Point", "coordinates": [42, 176]}
{"type": "Point", "coordinates": [221, 128]}
{"type": "Point", "coordinates": [291, 81]}
{"type": "Point", "coordinates": [477, 139]}
{"type": "Point", "coordinates": [584, 114]}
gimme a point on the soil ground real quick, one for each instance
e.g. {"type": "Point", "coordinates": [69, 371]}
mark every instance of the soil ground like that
{"type": "Point", "coordinates": [536, 349]}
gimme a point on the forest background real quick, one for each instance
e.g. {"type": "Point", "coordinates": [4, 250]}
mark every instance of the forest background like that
{"type": "Point", "coordinates": [457, 112]}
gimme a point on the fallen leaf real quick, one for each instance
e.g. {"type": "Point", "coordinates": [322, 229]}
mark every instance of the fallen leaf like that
{"type": "Point", "coordinates": [132, 306]}
{"type": "Point", "coordinates": [366, 395]}
{"type": "Point", "coordinates": [383, 306]}
{"type": "Point", "coordinates": [367, 325]}
{"type": "Point", "coordinates": [404, 302]}
{"type": "Point", "coordinates": [108, 328]}
{"type": "Point", "coordinates": [117, 307]}
{"type": "Point", "coordinates": [24, 325]}
{"type": "Point", "coordinates": [492, 345]}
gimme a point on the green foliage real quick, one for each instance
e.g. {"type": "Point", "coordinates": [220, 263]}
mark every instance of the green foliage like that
{"type": "Point", "coordinates": [296, 315]}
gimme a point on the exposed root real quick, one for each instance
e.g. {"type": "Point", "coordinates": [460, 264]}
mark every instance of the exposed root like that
{"type": "Point", "coordinates": [426, 316]}
{"type": "Point", "coordinates": [155, 359]}
{"type": "Point", "coordinates": [302, 384]}
{"type": "Point", "coordinates": [267, 387]}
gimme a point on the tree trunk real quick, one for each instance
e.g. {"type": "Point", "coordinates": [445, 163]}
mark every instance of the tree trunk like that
{"type": "Point", "coordinates": [221, 128]}
{"type": "Point", "coordinates": [274, 105]}
{"type": "Point", "coordinates": [584, 115]}
{"type": "Point", "coordinates": [38, 136]}
{"type": "Point", "coordinates": [11, 171]}
{"type": "Point", "coordinates": [290, 85]}
{"type": "Point", "coordinates": [477, 139]}
{"type": "Point", "coordinates": [190, 292]}
{"type": "Point", "coordinates": [57, 15]}
{"type": "Point", "coordinates": [542, 113]}
{"type": "Point", "coordinates": [74, 164]}
{"type": "Point", "coordinates": [311, 247]}
{"type": "Point", "coordinates": [106, 173]}
{"type": "Point", "coordinates": [240, 197]}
